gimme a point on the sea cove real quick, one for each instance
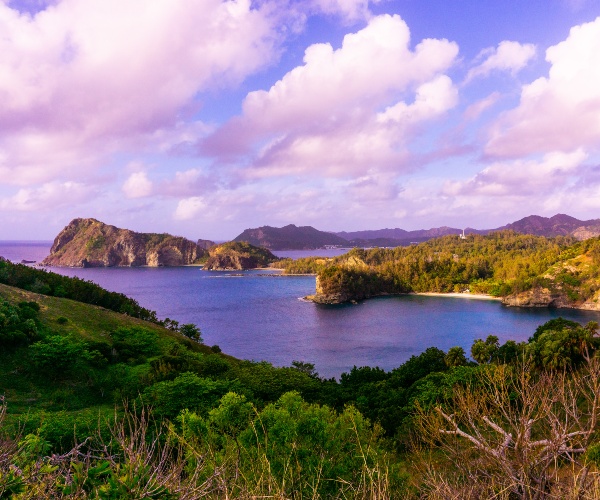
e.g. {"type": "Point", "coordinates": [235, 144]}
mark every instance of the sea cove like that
{"type": "Point", "coordinates": [252, 316]}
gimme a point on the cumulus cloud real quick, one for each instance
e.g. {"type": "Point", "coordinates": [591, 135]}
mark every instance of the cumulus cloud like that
{"type": "Point", "coordinates": [49, 196]}
{"type": "Point", "coordinates": [137, 185]}
{"type": "Point", "coordinates": [94, 75]}
{"type": "Point", "coordinates": [189, 208]}
{"type": "Point", "coordinates": [522, 177]}
{"type": "Point", "coordinates": [558, 112]}
{"type": "Point", "coordinates": [508, 56]}
{"type": "Point", "coordinates": [326, 114]}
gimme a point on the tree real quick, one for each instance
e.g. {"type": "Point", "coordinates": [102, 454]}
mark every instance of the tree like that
{"type": "Point", "coordinates": [483, 351]}
{"type": "Point", "coordinates": [456, 357]}
{"type": "Point", "coordinates": [191, 331]}
{"type": "Point", "coordinates": [521, 432]}
{"type": "Point", "coordinates": [304, 367]}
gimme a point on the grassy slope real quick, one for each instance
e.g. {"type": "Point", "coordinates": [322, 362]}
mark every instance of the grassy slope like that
{"type": "Point", "coordinates": [87, 322]}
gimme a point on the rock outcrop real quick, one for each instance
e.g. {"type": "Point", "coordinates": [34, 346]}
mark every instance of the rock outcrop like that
{"type": "Point", "coordinates": [237, 256]}
{"type": "Point", "coordinates": [91, 243]}
{"type": "Point", "coordinates": [544, 297]}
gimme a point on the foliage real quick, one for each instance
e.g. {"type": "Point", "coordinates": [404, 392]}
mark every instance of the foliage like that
{"type": "Point", "coordinates": [191, 331]}
{"type": "Point", "coordinates": [47, 283]}
{"type": "Point", "coordinates": [499, 264]}
{"type": "Point", "coordinates": [19, 324]}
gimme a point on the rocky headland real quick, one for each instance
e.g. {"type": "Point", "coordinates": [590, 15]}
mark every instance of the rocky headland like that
{"type": "Point", "coordinates": [91, 243]}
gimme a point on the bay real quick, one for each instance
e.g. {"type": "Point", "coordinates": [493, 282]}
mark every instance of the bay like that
{"type": "Point", "coordinates": [252, 315]}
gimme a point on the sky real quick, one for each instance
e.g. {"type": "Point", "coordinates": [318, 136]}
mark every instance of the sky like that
{"type": "Point", "coordinates": [203, 118]}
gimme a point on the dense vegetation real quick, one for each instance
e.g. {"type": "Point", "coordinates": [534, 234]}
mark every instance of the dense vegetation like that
{"type": "Point", "coordinates": [97, 404]}
{"type": "Point", "coordinates": [237, 255]}
{"type": "Point", "coordinates": [55, 285]}
{"type": "Point", "coordinates": [499, 264]}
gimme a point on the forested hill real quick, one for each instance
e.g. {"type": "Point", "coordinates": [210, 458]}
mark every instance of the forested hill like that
{"type": "Point", "coordinates": [237, 255]}
{"type": "Point", "coordinates": [290, 237]}
{"type": "Point", "coordinates": [525, 270]}
{"type": "Point", "coordinates": [96, 404]}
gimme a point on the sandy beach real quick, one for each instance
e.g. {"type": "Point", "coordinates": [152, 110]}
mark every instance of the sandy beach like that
{"type": "Point", "coordinates": [476, 296]}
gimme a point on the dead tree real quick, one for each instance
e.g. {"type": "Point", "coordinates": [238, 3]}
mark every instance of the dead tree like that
{"type": "Point", "coordinates": [523, 433]}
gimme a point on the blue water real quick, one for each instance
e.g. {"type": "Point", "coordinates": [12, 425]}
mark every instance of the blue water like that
{"type": "Point", "coordinates": [253, 316]}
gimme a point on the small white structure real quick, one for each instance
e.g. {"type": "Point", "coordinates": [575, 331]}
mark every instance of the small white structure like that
{"type": "Point", "coordinates": [462, 236]}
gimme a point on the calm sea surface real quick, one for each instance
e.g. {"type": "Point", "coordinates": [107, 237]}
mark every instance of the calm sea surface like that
{"type": "Point", "coordinates": [253, 316]}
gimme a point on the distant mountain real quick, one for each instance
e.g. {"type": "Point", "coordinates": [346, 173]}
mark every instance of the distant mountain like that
{"type": "Point", "coordinates": [400, 237]}
{"type": "Point", "coordinates": [557, 225]}
{"type": "Point", "coordinates": [91, 243]}
{"type": "Point", "coordinates": [394, 234]}
{"type": "Point", "coordinates": [290, 237]}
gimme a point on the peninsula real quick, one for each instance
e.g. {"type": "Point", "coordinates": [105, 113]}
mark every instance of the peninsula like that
{"type": "Point", "coordinates": [522, 270]}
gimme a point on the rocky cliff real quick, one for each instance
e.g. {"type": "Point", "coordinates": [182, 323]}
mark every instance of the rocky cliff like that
{"type": "Point", "coordinates": [91, 243]}
{"type": "Point", "coordinates": [237, 255]}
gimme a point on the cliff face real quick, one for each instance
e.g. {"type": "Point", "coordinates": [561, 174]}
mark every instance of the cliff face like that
{"type": "Point", "coordinates": [238, 256]}
{"type": "Point", "coordinates": [91, 243]}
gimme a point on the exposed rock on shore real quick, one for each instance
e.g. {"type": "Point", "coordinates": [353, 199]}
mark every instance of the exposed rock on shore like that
{"type": "Point", "coordinates": [91, 243]}
{"type": "Point", "coordinates": [544, 297]}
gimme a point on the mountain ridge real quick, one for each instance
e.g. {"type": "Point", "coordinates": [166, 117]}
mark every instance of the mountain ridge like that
{"type": "Point", "coordinates": [292, 237]}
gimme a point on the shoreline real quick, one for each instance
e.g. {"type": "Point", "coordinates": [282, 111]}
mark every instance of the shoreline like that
{"type": "Point", "coordinates": [461, 295]}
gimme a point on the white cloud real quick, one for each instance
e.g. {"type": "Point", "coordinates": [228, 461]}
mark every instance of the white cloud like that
{"type": "Point", "coordinates": [522, 177]}
{"type": "Point", "coordinates": [561, 111]}
{"type": "Point", "coordinates": [137, 185]}
{"type": "Point", "coordinates": [508, 56]}
{"type": "Point", "coordinates": [189, 208]}
{"type": "Point", "coordinates": [475, 110]}
{"type": "Point", "coordinates": [47, 197]}
{"type": "Point", "coordinates": [82, 79]}
{"type": "Point", "coordinates": [349, 10]}
{"type": "Point", "coordinates": [325, 115]}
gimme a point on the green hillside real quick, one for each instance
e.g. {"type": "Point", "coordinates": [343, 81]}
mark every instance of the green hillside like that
{"type": "Point", "coordinates": [95, 403]}
{"type": "Point", "coordinates": [525, 270]}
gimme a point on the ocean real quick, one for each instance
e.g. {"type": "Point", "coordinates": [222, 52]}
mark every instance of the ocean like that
{"type": "Point", "coordinates": [258, 315]}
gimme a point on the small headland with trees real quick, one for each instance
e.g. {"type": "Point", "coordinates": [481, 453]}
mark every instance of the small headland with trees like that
{"type": "Point", "coordinates": [523, 270]}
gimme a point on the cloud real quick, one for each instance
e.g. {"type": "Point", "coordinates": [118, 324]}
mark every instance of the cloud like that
{"type": "Point", "coordinates": [137, 185]}
{"type": "Point", "coordinates": [349, 10]}
{"type": "Point", "coordinates": [48, 197]}
{"type": "Point", "coordinates": [80, 80]}
{"type": "Point", "coordinates": [522, 177]}
{"type": "Point", "coordinates": [187, 183]}
{"type": "Point", "coordinates": [508, 56]}
{"type": "Point", "coordinates": [326, 115]}
{"type": "Point", "coordinates": [189, 208]}
{"type": "Point", "coordinates": [475, 110]}
{"type": "Point", "coordinates": [558, 112]}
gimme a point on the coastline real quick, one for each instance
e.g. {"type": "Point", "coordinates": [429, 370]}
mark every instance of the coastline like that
{"type": "Point", "coordinates": [474, 296]}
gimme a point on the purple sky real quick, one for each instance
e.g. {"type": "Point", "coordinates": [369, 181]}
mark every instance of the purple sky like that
{"type": "Point", "coordinates": [206, 117]}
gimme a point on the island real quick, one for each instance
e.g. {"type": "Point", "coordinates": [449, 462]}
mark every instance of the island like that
{"type": "Point", "coordinates": [238, 256]}
{"type": "Point", "coordinates": [91, 243]}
